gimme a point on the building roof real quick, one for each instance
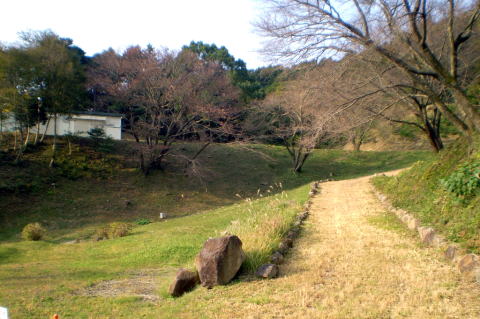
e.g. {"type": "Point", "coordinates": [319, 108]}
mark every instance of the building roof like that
{"type": "Point", "coordinates": [96, 113]}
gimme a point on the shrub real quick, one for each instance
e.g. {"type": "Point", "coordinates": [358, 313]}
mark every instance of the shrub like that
{"type": "Point", "coordinates": [101, 142]}
{"type": "Point", "coordinates": [143, 221]}
{"type": "Point", "coordinates": [33, 231]}
{"type": "Point", "coordinates": [464, 181]}
{"type": "Point", "coordinates": [118, 229]}
{"type": "Point", "coordinates": [113, 230]}
{"type": "Point", "coordinates": [100, 234]}
{"type": "Point", "coordinates": [82, 166]}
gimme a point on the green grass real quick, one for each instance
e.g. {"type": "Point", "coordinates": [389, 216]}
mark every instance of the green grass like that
{"type": "Point", "coordinates": [421, 191]}
{"type": "Point", "coordinates": [74, 208]}
{"type": "Point", "coordinates": [251, 193]}
{"type": "Point", "coordinates": [389, 221]}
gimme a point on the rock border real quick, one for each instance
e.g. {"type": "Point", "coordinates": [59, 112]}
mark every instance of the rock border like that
{"type": "Point", "coordinates": [278, 256]}
{"type": "Point", "coordinates": [467, 264]}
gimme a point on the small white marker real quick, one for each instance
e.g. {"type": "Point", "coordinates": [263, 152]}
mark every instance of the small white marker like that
{"type": "Point", "coordinates": [3, 313]}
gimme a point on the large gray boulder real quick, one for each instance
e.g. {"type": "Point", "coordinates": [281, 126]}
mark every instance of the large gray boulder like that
{"type": "Point", "coordinates": [219, 260]}
{"type": "Point", "coordinates": [184, 281]}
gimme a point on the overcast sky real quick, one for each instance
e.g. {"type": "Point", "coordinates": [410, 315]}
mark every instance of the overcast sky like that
{"type": "Point", "coordinates": [96, 25]}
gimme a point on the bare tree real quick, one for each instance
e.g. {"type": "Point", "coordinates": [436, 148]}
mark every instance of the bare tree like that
{"type": "Point", "coordinates": [376, 88]}
{"type": "Point", "coordinates": [297, 114]}
{"type": "Point", "coordinates": [403, 32]}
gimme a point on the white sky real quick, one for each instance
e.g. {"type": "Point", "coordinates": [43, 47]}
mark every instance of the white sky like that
{"type": "Point", "coordinates": [96, 25]}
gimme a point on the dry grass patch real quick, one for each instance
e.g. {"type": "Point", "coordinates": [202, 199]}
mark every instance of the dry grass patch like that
{"type": "Point", "coordinates": [345, 267]}
{"type": "Point", "coordinates": [142, 285]}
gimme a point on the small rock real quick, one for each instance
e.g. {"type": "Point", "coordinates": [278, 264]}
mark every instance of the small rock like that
{"type": "Point", "coordinates": [283, 247]}
{"type": "Point", "coordinates": [451, 252]}
{"type": "Point", "coordinates": [427, 234]}
{"type": "Point", "coordinates": [267, 271]}
{"type": "Point", "coordinates": [438, 241]}
{"type": "Point", "coordinates": [297, 223]}
{"type": "Point", "coordinates": [288, 242]}
{"type": "Point", "coordinates": [70, 242]}
{"type": "Point", "coordinates": [277, 258]}
{"type": "Point", "coordinates": [476, 273]}
{"type": "Point", "coordinates": [413, 223]}
{"type": "Point", "coordinates": [405, 218]}
{"type": "Point", "coordinates": [468, 263]}
{"type": "Point", "coordinates": [303, 216]}
{"type": "Point", "coordinates": [292, 234]}
{"type": "Point", "coordinates": [184, 281]}
{"type": "Point", "coordinates": [400, 214]}
{"type": "Point", "coordinates": [295, 229]}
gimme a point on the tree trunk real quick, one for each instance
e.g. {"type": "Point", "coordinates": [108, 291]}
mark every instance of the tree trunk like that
{"type": "Point", "coordinates": [45, 131]}
{"type": "Point", "coordinates": [38, 125]}
{"type": "Point", "coordinates": [435, 140]}
{"type": "Point", "coordinates": [357, 143]}
{"type": "Point", "coordinates": [27, 138]}
{"type": "Point", "coordinates": [36, 134]}
{"type": "Point", "coordinates": [1, 126]}
{"type": "Point", "coordinates": [15, 140]}
{"type": "Point", "coordinates": [432, 129]}
{"type": "Point", "coordinates": [472, 116]}
{"type": "Point", "coordinates": [300, 161]}
{"type": "Point", "coordinates": [54, 144]}
{"type": "Point", "coordinates": [69, 141]}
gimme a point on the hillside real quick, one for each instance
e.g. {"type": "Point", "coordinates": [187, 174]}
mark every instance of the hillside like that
{"type": "Point", "coordinates": [252, 194]}
{"type": "Point", "coordinates": [443, 192]}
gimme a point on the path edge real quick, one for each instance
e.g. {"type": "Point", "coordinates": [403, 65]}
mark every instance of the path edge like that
{"type": "Point", "coordinates": [467, 264]}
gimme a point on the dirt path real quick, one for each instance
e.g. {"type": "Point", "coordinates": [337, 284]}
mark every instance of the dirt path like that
{"type": "Point", "coordinates": [345, 266]}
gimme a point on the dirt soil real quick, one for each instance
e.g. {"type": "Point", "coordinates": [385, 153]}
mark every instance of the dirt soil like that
{"type": "Point", "coordinates": [344, 266]}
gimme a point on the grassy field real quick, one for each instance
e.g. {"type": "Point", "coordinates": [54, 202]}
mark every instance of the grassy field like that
{"type": "Point", "coordinates": [249, 191]}
{"type": "Point", "coordinates": [443, 192]}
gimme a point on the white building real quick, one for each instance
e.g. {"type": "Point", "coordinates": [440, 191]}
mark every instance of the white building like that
{"type": "Point", "coordinates": [79, 123]}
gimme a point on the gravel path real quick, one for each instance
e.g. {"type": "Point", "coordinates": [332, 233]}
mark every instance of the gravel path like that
{"type": "Point", "coordinates": [347, 266]}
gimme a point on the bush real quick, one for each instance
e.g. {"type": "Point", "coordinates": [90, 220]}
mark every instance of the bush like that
{"type": "Point", "coordinates": [113, 230]}
{"type": "Point", "coordinates": [101, 142]}
{"type": "Point", "coordinates": [118, 229]}
{"type": "Point", "coordinates": [33, 231]}
{"type": "Point", "coordinates": [143, 221]}
{"type": "Point", "coordinates": [82, 166]}
{"type": "Point", "coordinates": [100, 234]}
{"type": "Point", "coordinates": [464, 181]}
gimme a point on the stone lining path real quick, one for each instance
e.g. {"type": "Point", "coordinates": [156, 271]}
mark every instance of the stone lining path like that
{"type": "Point", "coordinates": [346, 266]}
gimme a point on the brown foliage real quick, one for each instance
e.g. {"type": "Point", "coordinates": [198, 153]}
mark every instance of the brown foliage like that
{"type": "Point", "coordinates": [165, 97]}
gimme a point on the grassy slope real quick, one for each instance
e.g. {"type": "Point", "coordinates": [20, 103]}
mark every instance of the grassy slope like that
{"type": "Point", "coordinates": [420, 191]}
{"type": "Point", "coordinates": [39, 278]}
